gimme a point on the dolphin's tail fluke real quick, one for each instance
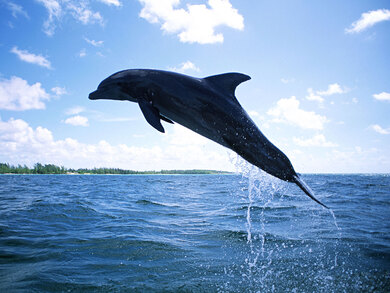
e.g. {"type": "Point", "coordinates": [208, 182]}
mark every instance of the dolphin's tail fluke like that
{"type": "Point", "coordinates": [298, 181]}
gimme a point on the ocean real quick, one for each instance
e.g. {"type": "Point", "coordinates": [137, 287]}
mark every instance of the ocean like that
{"type": "Point", "coordinates": [245, 232]}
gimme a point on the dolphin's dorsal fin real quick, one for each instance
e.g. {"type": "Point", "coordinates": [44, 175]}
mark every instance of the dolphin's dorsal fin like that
{"type": "Point", "coordinates": [228, 81]}
{"type": "Point", "coordinates": [151, 114]}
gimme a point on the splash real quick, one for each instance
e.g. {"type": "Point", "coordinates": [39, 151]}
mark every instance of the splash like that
{"type": "Point", "coordinates": [261, 190]}
{"type": "Point", "coordinates": [276, 231]}
{"type": "Point", "coordinates": [334, 219]}
{"type": "Point", "coordinates": [338, 239]}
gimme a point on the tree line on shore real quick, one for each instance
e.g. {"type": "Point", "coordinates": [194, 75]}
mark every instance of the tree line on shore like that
{"type": "Point", "coordinates": [39, 168]}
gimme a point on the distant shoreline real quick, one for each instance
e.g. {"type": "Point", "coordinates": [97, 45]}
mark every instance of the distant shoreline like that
{"type": "Point", "coordinates": [50, 169]}
{"type": "Point", "coordinates": [137, 174]}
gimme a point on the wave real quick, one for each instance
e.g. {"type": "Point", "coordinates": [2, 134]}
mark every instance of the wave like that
{"type": "Point", "coordinates": [267, 208]}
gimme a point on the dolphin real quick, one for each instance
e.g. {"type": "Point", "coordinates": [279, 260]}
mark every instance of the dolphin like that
{"type": "Point", "coordinates": [207, 106]}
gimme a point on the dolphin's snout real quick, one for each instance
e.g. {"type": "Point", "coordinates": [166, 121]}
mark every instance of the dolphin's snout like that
{"type": "Point", "coordinates": [104, 92]}
{"type": "Point", "coordinates": [110, 92]}
{"type": "Point", "coordinates": [92, 96]}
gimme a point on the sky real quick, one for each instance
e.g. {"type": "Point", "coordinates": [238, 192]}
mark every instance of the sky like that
{"type": "Point", "coordinates": [319, 88]}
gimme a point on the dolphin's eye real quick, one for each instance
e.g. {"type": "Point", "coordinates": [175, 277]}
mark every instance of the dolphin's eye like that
{"type": "Point", "coordinates": [151, 92]}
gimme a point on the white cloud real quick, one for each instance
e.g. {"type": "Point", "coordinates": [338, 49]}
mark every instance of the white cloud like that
{"type": "Point", "coordinates": [314, 97]}
{"type": "Point", "coordinates": [111, 2]}
{"type": "Point", "coordinates": [333, 88]}
{"type": "Point", "coordinates": [79, 10]}
{"type": "Point", "coordinates": [75, 110]}
{"type": "Point", "coordinates": [31, 58]}
{"type": "Point", "coordinates": [379, 129]}
{"type": "Point", "coordinates": [16, 9]}
{"type": "Point", "coordinates": [183, 136]}
{"type": "Point", "coordinates": [21, 144]}
{"type": "Point", "coordinates": [289, 111]}
{"type": "Point", "coordinates": [55, 11]}
{"type": "Point", "coordinates": [368, 19]}
{"type": "Point", "coordinates": [383, 96]}
{"type": "Point", "coordinates": [82, 13]}
{"type": "Point", "coordinates": [253, 113]}
{"type": "Point", "coordinates": [16, 94]}
{"type": "Point", "coordinates": [287, 80]}
{"type": "Point", "coordinates": [82, 53]}
{"type": "Point", "coordinates": [343, 160]}
{"type": "Point", "coordinates": [318, 140]}
{"type": "Point", "coordinates": [93, 42]}
{"type": "Point", "coordinates": [77, 121]}
{"type": "Point", "coordinates": [197, 23]}
{"type": "Point", "coordinates": [59, 91]}
{"type": "Point", "coordinates": [185, 66]}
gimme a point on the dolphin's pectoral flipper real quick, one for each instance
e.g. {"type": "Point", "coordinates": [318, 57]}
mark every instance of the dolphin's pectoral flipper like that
{"type": "Point", "coordinates": [151, 114]}
{"type": "Point", "coordinates": [166, 119]}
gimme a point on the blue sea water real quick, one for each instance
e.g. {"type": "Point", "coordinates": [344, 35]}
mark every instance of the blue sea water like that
{"type": "Point", "coordinates": [193, 233]}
